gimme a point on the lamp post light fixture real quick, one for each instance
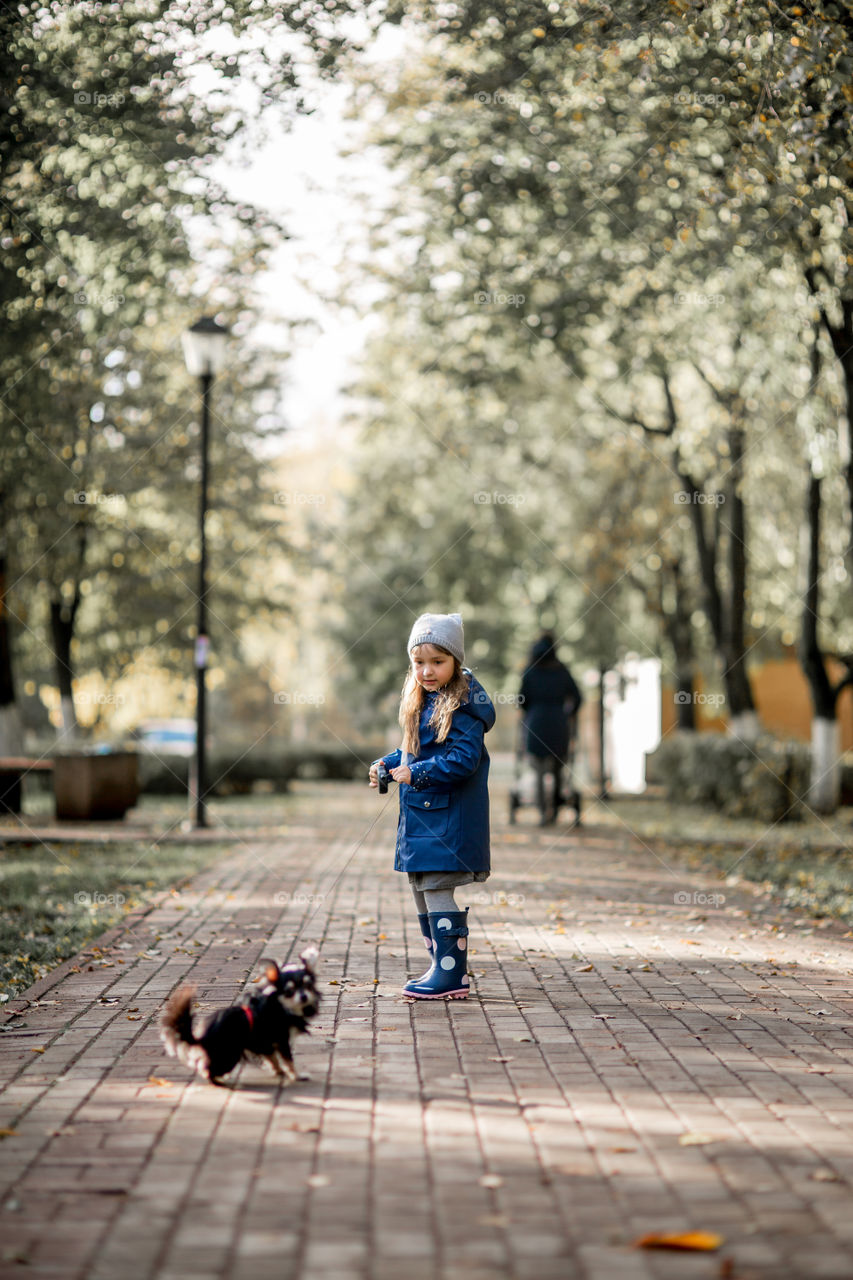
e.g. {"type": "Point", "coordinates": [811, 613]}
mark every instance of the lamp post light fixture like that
{"type": "Point", "coordinates": [204, 352]}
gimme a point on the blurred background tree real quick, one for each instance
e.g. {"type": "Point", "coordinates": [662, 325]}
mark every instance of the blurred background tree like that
{"type": "Point", "coordinates": [609, 383]}
{"type": "Point", "coordinates": [620, 228]}
{"type": "Point", "coordinates": [107, 142]}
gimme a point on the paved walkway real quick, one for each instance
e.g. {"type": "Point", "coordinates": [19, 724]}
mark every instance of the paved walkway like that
{"type": "Point", "coordinates": [637, 1058]}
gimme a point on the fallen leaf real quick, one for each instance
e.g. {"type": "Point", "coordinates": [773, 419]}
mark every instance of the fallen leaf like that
{"type": "Point", "coordinates": [134, 1017]}
{"type": "Point", "coordinates": [8, 1133]}
{"type": "Point", "coordinates": [318, 1180]}
{"type": "Point", "coordinates": [695, 1139]}
{"type": "Point", "coordinates": [586, 968]}
{"type": "Point", "coordinates": [491, 1180]}
{"type": "Point", "coordinates": [500, 1059]}
{"type": "Point", "coordinates": [824, 1175]}
{"type": "Point", "coordinates": [691, 1240]}
{"type": "Point", "coordinates": [156, 1080]}
{"type": "Point", "coordinates": [37, 1049]}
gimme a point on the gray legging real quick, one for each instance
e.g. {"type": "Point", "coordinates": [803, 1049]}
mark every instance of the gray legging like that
{"type": "Point", "coordinates": [434, 900]}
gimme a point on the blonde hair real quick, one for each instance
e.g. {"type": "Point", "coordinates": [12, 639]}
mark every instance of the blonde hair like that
{"type": "Point", "coordinates": [413, 698]}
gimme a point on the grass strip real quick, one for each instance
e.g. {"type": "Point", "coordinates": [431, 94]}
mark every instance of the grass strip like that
{"type": "Point", "coordinates": [56, 898]}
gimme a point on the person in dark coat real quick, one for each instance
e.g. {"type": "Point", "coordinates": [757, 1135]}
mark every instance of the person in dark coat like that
{"type": "Point", "coordinates": [443, 770]}
{"type": "Point", "coordinates": [549, 700]}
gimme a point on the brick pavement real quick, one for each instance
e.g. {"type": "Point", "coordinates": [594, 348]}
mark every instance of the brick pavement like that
{"type": "Point", "coordinates": [635, 1058]}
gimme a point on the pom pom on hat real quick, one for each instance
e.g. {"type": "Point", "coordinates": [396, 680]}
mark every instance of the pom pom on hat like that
{"type": "Point", "coordinates": [443, 629]}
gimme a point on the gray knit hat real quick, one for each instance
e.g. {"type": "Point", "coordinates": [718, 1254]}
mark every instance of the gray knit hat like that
{"type": "Point", "coordinates": [443, 629]}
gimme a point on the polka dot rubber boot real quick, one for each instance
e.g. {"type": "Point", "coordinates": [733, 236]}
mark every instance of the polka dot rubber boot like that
{"type": "Point", "coordinates": [448, 977]}
{"type": "Point", "coordinates": [423, 921]}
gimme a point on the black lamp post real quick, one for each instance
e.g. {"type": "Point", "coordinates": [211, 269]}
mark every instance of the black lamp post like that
{"type": "Point", "coordinates": [204, 352]}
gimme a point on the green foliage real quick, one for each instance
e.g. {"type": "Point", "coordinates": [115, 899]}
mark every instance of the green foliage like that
{"type": "Point", "coordinates": [595, 200]}
{"type": "Point", "coordinates": [107, 142]}
{"type": "Point", "coordinates": [766, 779]}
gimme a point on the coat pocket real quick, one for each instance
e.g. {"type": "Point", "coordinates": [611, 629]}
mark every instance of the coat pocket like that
{"type": "Point", "coordinates": [426, 814]}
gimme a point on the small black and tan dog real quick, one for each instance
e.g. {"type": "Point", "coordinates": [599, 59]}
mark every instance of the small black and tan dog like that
{"type": "Point", "coordinates": [260, 1028]}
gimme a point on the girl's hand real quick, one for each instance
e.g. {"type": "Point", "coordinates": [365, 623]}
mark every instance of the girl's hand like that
{"type": "Point", "coordinates": [402, 773]}
{"type": "Point", "coordinates": [374, 781]}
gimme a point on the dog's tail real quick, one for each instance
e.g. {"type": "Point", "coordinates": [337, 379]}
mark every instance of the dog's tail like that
{"type": "Point", "coordinates": [176, 1027]}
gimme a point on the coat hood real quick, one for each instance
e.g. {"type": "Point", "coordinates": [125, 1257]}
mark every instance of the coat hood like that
{"type": "Point", "coordinates": [479, 704]}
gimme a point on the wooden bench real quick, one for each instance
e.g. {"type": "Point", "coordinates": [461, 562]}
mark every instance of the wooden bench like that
{"type": "Point", "coordinates": [12, 770]}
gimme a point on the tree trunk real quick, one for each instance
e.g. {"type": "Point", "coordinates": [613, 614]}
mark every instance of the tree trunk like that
{"type": "Point", "coordinates": [11, 732]}
{"type": "Point", "coordinates": [825, 786]}
{"type": "Point", "coordinates": [679, 632]}
{"type": "Point", "coordinates": [742, 717]}
{"type": "Point", "coordinates": [727, 624]}
{"type": "Point", "coordinates": [706, 550]}
{"type": "Point", "coordinates": [62, 618]}
{"type": "Point", "coordinates": [847, 368]}
{"type": "Point", "coordinates": [726, 618]}
{"type": "Point", "coordinates": [841, 337]}
{"type": "Point", "coordinates": [603, 792]}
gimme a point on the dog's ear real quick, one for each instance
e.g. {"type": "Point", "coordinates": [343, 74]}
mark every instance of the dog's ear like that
{"type": "Point", "coordinates": [309, 958]}
{"type": "Point", "coordinates": [272, 973]}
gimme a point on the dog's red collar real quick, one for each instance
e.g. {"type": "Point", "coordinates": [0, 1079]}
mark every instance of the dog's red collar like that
{"type": "Point", "coordinates": [249, 1015]}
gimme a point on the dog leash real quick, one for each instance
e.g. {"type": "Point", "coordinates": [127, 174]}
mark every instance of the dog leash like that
{"type": "Point", "coordinates": [342, 872]}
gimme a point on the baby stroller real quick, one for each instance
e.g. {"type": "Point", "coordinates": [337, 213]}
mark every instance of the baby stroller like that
{"type": "Point", "coordinates": [525, 785]}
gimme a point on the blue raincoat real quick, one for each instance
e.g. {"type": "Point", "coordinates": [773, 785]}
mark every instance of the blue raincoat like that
{"type": "Point", "coordinates": [444, 811]}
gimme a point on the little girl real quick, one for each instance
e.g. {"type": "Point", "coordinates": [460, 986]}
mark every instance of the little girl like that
{"type": "Point", "coordinates": [443, 770]}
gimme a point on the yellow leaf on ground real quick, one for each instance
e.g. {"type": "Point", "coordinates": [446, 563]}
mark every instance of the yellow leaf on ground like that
{"type": "Point", "coordinates": [691, 1240]}
{"type": "Point", "coordinates": [695, 1139]}
{"type": "Point", "coordinates": [8, 1133]}
{"type": "Point", "coordinates": [37, 1049]}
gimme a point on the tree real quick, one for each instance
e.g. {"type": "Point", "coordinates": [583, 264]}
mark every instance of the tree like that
{"type": "Point", "coordinates": [101, 173]}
